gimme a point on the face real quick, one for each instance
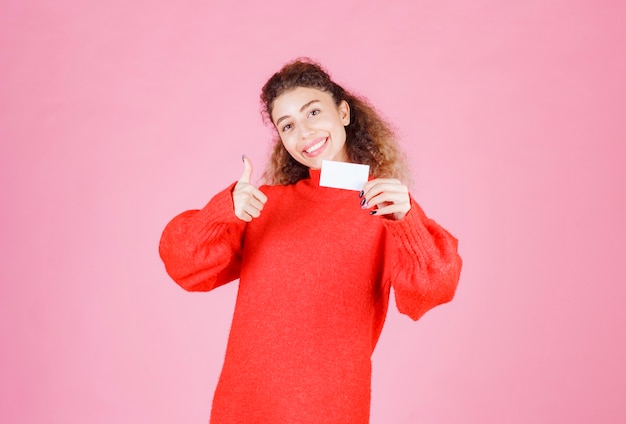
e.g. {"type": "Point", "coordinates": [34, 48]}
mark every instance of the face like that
{"type": "Point", "coordinates": [311, 126]}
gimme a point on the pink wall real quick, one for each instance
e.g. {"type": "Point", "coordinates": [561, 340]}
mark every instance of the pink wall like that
{"type": "Point", "coordinates": [117, 115]}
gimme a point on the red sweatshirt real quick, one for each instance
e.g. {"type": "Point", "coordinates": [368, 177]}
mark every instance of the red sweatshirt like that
{"type": "Point", "coordinates": [315, 273]}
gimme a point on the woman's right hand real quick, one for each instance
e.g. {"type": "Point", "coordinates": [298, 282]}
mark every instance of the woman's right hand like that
{"type": "Point", "coordinates": [247, 199]}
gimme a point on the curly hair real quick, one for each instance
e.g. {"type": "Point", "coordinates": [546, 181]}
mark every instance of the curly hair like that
{"type": "Point", "coordinates": [369, 138]}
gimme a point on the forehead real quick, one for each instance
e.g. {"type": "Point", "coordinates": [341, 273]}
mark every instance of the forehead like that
{"type": "Point", "coordinates": [290, 102]}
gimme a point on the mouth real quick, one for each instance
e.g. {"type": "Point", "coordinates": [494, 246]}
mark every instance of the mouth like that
{"type": "Point", "coordinates": [315, 147]}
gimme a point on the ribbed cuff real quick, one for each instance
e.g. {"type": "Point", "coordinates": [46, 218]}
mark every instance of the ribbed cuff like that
{"type": "Point", "coordinates": [410, 232]}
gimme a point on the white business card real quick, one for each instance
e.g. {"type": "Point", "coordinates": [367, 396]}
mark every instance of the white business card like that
{"type": "Point", "coordinates": [349, 176]}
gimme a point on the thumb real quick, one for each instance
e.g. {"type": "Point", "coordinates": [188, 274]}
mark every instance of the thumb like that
{"type": "Point", "coordinates": [247, 170]}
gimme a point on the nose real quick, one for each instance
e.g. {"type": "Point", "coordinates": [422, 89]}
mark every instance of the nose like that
{"type": "Point", "coordinates": [305, 130]}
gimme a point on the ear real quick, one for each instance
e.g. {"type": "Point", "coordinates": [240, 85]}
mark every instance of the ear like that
{"type": "Point", "coordinates": [344, 112]}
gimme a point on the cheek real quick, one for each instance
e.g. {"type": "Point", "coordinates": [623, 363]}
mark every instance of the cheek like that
{"type": "Point", "coordinates": [288, 142]}
{"type": "Point", "coordinates": [340, 133]}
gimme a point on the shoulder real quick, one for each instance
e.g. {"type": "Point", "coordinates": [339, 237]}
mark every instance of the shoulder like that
{"type": "Point", "coordinates": [280, 189]}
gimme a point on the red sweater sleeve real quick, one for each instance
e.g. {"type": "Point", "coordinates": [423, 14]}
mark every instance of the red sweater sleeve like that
{"type": "Point", "coordinates": [201, 249]}
{"type": "Point", "coordinates": [421, 262]}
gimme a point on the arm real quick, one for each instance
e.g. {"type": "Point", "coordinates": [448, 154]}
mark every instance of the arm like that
{"type": "Point", "coordinates": [421, 262]}
{"type": "Point", "coordinates": [201, 249]}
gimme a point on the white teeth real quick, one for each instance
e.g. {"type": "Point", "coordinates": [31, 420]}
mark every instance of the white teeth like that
{"type": "Point", "coordinates": [315, 146]}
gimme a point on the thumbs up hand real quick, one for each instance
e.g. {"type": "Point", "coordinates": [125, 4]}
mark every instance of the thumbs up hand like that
{"type": "Point", "coordinates": [247, 199]}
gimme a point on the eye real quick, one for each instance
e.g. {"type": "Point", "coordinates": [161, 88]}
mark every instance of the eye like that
{"type": "Point", "coordinates": [314, 112]}
{"type": "Point", "coordinates": [286, 127]}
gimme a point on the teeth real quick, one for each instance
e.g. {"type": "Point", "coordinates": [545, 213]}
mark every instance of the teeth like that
{"type": "Point", "coordinates": [315, 146]}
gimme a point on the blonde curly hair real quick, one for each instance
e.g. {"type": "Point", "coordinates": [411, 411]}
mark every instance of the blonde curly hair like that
{"type": "Point", "coordinates": [369, 138]}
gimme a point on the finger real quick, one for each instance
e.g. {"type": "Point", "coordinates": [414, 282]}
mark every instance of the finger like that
{"type": "Point", "coordinates": [248, 201]}
{"type": "Point", "coordinates": [247, 170]}
{"type": "Point", "coordinates": [241, 214]}
{"type": "Point", "coordinates": [256, 204]}
{"type": "Point", "coordinates": [245, 217]}
{"type": "Point", "coordinates": [398, 198]}
{"type": "Point", "coordinates": [379, 181]}
{"type": "Point", "coordinates": [247, 213]}
{"type": "Point", "coordinates": [259, 195]}
{"type": "Point", "coordinates": [398, 211]}
{"type": "Point", "coordinates": [252, 211]}
{"type": "Point", "coordinates": [375, 187]}
{"type": "Point", "coordinates": [248, 194]}
{"type": "Point", "coordinates": [385, 192]}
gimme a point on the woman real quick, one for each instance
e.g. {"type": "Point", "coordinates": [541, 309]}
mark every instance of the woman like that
{"type": "Point", "coordinates": [315, 264]}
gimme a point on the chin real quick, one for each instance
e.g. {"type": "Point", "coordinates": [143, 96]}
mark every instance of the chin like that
{"type": "Point", "coordinates": [314, 165]}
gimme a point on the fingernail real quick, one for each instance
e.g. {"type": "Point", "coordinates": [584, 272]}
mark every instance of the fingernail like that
{"type": "Point", "coordinates": [361, 194]}
{"type": "Point", "coordinates": [372, 212]}
{"type": "Point", "coordinates": [243, 158]}
{"type": "Point", "coordinates": [362, 202]}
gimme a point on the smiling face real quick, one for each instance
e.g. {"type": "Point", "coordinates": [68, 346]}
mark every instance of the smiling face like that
{"type": "Point", "coordinates": [311, 126]}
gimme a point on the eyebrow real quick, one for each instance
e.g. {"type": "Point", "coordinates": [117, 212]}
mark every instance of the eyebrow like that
{"type": "Point", "coordinates": [301, 110]}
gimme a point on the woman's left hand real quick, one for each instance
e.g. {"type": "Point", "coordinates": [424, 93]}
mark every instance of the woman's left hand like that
{"type": "Point", "coordinates": [388, 195]}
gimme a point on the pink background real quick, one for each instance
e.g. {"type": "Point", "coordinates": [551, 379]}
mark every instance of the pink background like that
{"type": "Point", "coordinates": [117, 115]}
